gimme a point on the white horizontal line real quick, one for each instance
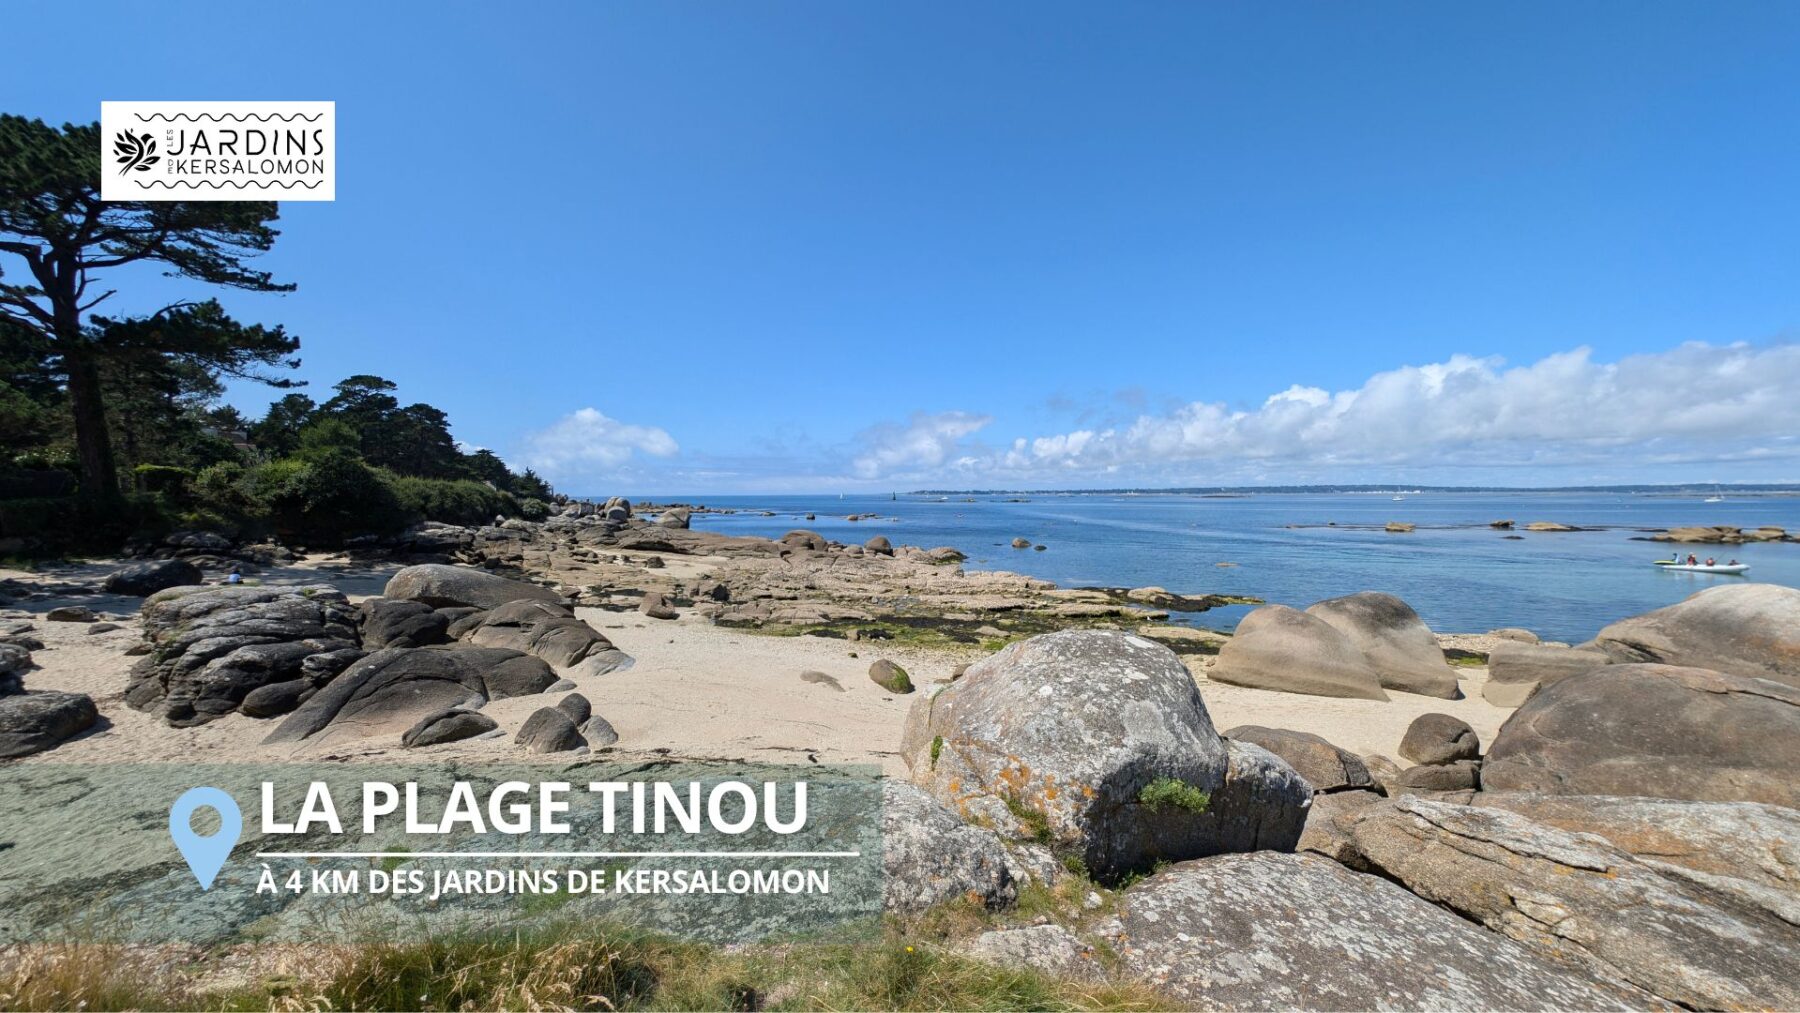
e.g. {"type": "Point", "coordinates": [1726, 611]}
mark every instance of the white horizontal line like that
{"type": "Point", "coordinates": [559, 854]}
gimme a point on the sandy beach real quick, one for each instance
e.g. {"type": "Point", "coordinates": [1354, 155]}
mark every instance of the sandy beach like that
{"type": "Point", "coordinates": [696, 691]}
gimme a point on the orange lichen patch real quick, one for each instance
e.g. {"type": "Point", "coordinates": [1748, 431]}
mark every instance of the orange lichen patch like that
{"type": "Point", "coordinates": [1049, 794]}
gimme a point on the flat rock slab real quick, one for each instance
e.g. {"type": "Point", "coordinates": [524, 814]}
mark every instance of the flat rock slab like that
{"type": "Point", "coordinates": [1576, 898]}
{"type": "Point", "coordinates": [1280, 931]}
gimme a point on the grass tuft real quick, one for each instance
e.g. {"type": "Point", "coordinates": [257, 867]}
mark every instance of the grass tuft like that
{"type": "Point", "coordinates": [1173, 792]}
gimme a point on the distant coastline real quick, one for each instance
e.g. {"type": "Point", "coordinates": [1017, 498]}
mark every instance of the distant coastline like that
{"type": "Point", "coordinates": [1691, 489]}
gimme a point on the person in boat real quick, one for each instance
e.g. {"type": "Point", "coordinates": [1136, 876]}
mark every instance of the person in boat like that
{"type": "Point", "coordinates": [1732, 563]}
{"type": "Point", "coordinates": [1709, 561]}
{"type": "Point", "coordinates": [1691, 561]}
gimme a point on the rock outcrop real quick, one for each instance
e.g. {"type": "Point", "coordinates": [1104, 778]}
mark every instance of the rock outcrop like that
{"type": "Point", "coordinates": [391, 622]}
{"type": "Point", "coordinates": [1578, 899]}
{"type": "Point", "coordinates": [391, 690]}
{"type": "Point", "coordinates": [1747, 850]}
{"type": "Point", "coordinates": [1099, 742]}
{"type": "Point", "coordinates": [1278, 931]}
{"type": "Point", "coordinates": [931, 856]}
{"type": "Point", "coordinates": [1657, 731]}
{"type": "Point", "coordinates": [549, 631]}
{"type": "Point", "coordinates": [1279, 648]}
{"type": "Point", "coordinates": [1395, 641]}
{"type": "Point", "coordinates": [210, 647]}
{"type": "Point", "coordinates": [1743, 629]}
{"type": "Point", "coordinates": [440, 585]}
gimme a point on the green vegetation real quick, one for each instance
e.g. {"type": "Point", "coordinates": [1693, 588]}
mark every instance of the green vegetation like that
{"type": "Point", "coordinates": [1035, 822]}
{"type": "Point", "coordinates": [937, 748]}
{"type": "Point", "coordinates": [1173, 792]}
{"type": "Point", "coordinates": [572, 966]}
{"type": "Point", "coordinates": [111, 427]}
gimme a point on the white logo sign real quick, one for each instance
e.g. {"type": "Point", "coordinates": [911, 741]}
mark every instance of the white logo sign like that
{"type": "Point", "coordinates": [193, 151]}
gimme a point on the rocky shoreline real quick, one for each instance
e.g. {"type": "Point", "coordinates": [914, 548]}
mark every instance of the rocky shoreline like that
{"type": "Point", "coordinates": [1626, 838]}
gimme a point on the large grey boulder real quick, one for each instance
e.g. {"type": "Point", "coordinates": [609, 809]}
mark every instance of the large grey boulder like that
{"type": "Point", "coordinates": [33, 722]}
{"type": "Point", "coordinates": [1516, 670]}
{"type": "Point", "coordinates": [1578, 899]}
{"type": "Point", "coordinates": [439, 585]}
{"type": "Point", "coordinates": [1743, 629]}
{"type": "Point", "coordinates": [930, 856]}
{"type": "Point", "coordinates": [552, 632]}
{"type": "Point", "coordinates": [389, 691]}
{"type": "Point", "coordinates": [1439, 738]}
{"type": "Point", "coordinates": [397, 622]}
{"type": "Point", "coordinates": [1657, 731]}
{"type": "Point", "coordinates": [1098, 742]}
{"type": "Point", "coordinates": [1748, 850]}
{"type": "Point", "coordinates": [1284, 649]}
{"type": "Point", "coordinates": [1395, 641]}
{"type": "Point", "coordinates": [210, 647]}
{"type": "Point", "coordinates": [675, 517]}
{"type": "Point", "coordinates": [1279, 931]}
{"type": "Point", "coordinates": [1326, 767]}
{"type": "Point", "coordinates": [145, 579]}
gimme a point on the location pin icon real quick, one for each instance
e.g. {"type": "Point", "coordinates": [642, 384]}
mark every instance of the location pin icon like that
{"type": "Point", "coordinates": [205, 855]}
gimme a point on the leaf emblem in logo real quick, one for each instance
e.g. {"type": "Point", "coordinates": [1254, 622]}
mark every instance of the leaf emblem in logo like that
{"type": "Point", "coordinates": [135, 151]}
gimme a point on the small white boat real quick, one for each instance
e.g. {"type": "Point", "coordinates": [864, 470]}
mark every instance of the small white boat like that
{"type": "Point", "coordinates": [1727, 568]}
{"type": "Point", "coordinates": [1713, 499]}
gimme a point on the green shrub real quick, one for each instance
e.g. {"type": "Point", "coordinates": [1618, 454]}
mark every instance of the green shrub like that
{"type": "Point", "coordinates": [452, 501]}
{"type": "Point", "coordinates": [323, 495]}
{"type": "Point", "coordinates": [1169, 791]}
{"type": "Point", "coordinates": [163, 478]}
{"type": "Point", "coordinates": [533, 509]}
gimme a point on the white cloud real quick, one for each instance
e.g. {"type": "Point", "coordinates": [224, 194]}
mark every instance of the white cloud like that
{"type": "Point", "coordinates": [1695, 402]}
{"type": "Point", "coordinates": [925, 442]}
{"type": "Point", "coordinates": [585, 444]}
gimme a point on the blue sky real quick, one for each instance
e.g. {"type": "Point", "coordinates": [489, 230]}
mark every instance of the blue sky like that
{"type": "Point", "coordinates": [674, 247]}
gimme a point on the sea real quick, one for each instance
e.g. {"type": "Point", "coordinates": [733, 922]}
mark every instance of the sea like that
{"type": "Point", "coordinates": [1460, 574]}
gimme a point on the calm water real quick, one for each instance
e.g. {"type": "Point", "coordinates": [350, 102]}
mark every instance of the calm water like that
{"type": "Point", "coordinates": [1461, 575]}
